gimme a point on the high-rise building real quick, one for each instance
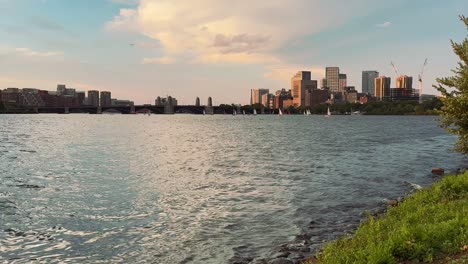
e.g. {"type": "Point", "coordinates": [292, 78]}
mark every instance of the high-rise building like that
{"type": "Point", "coordinates": [368, 78]}
{"type": "Point", "coordinates": [382, 87]}
{"type": "Point", "coordinates": [80, 96]}
{"type": "Point", "coordinates": [299, 84]}
{"type": "Point", "coordinates": [342, 82]}
{"type": "Point", "coordinates": [61, 89]}
{"type": "Point", "coordinates": [105, 99]}
{"type": "Point", "coordinates": [332, 74]}
{"type": "Point", "coordinates": [197, 101]}
{"type": "Point", "coordinates": [210, 102]}
{"type": "Point", "coordinates": [281, 96]}
{"type": "Point", "coordinates": [93, 98]}
{"type": "Point", "coordinates": [158, 101]}
{"type": "Point", "coordinates": [323, 83]}
{"type": "Point", "coordinates": [272, 101]}
{"type": "Point", "coordinates": [266, 100]}
{"type": "Point", "coordinates": [256, 95]}
{"type": "Point", "coordinates": [404, 82]}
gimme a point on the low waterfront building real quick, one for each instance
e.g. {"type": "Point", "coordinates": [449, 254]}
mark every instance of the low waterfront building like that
{"type": "Point", "coordinates": [350, 94]}
{"type": "Point", "coordinates": [315, 97]}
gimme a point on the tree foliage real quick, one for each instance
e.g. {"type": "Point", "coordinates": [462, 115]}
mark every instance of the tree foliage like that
{"type": "Point", "coordinates": [454, 89]}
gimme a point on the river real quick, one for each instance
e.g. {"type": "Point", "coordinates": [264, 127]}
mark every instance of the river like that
{"type": "Point", "coordinates": [200, 189]}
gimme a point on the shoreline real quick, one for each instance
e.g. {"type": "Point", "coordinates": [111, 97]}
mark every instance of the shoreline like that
{"type": "Point", "coordinates": [303, 250]}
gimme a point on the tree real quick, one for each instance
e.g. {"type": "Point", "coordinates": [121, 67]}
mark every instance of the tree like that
{"type": "Point", "coordinates": [454, 90]}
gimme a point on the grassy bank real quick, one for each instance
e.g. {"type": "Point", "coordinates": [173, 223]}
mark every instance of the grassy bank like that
{"type": "Point", "coordinates": [431, 225]}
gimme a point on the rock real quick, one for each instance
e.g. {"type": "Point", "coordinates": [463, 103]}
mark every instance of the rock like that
{"type": "Point", "coordinates": [259, 261]}
{"type": "Point", "coordinates": [281, 255]}
{"type": "Point", "coordinates": [392, 202]}
{"type": "Point", "coordinates": [301, 247]}
{"type": "Point", "coordinates": [241, 260]}
{"type": "Point", "coordinates": [281, 261]}
{"type": "Point", "coordinates": [438, 171]}
{"type": "Point", "coordinates": [296, 255]}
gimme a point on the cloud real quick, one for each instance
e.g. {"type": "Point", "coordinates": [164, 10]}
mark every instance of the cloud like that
{"type": "Point", "coordinates": [160, 60]}
{"type": "Point", "coordinates": [284, 72]}
{"type": "Point", "coordinates": [384, 24]}
{"type": "Point", "coordinates": [46, 24]}
{"type": "Point", "coordinates": [125, 2]}
{"type": "Point", "coordinates": [31, 53]}
{"type": "Point", "coordinates": [126, 20]}
{"type": "Point", "coordinates": [213, 31]}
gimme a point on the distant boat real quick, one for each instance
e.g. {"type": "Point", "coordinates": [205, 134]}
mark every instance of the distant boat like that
{"type": "Point", "coordinates": [234, 112]}
{"type": "Point", "coordinates": [308, 112]}
{"type": "Point", "coordinates": [255, 111]}
{"type": "Point", "coordinates": [204, 113]}
{"type": "Point", "coordinates": [243, 112]}
{"type": "Point", "coordinates": [280, 112]}
{"type": "Point", "coordinates": [328, 112]}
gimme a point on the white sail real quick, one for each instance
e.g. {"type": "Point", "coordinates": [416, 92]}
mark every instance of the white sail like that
{"type": "Point", "coordinates": [328, 112]}
{"type": "Point", "coordinates": [280, 112]}
{"type": "Point", "coordinates": [243, 112]}
{"type": "Point", "coordinates": [255, 111]}
{"type": "Point", "coordinates": [308, 112]}
{"type": "Point", "coordinates": [204, 113]}
{"type": "Point", "coordinates": [234, 112]}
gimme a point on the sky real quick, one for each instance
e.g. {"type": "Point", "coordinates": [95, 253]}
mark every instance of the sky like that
{"type": "Point", "coordinates": [141, 49]}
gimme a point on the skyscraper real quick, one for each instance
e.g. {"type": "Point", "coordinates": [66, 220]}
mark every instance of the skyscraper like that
{"type": "Point", "coordinates": [256, 95]}
{"type": "Point", "coordinates": [93, 98]}
{"type": "Point", "coordinates": [299, 84]}
{"type": "Point", "coordinates": [342, 82]}
{"type": "Point", "coordinates": [368, 78]}
{"type": "Point", "coordinates": [382, 87]}
{"type": "Point", "coordinates": [105, 99]}
{"type": "Point", "coordinates": [404, 82]}
{"type": "Point", "coordinates": [197, 101]}
{"type": "Point", "coordinates": [332, 74]}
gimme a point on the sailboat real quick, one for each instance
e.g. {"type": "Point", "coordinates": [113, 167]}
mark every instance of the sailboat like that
{"type": "Point", "coordinates": [255, 111]}
{"type": "Point", "coordinates": [308, 112]}
{"type": "Point", "coordinates": [328, 112]}
{"type": "Point", "coordinates": [204, 113]}
{"type": "Point", "coordinates": [234, 112]}
{"type": "Point", "coordinates": [280, 112]}
{"type": "Point", "coordinates": [243, 112]}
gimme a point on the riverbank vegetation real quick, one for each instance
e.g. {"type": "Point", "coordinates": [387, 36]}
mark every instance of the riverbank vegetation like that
{"type": "Point", "coordinates": [455, 96]}
{"type": "Point", "coordinates": [430, 225]}
{"type": "Point", "coordinates": [428, 107]}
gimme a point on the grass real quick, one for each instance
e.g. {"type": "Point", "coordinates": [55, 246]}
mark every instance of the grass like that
{"type": "Point", "coordinates": [428, 226]}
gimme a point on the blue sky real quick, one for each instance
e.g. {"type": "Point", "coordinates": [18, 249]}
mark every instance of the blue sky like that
{"type": "Point", "coordinates": [139, 49]}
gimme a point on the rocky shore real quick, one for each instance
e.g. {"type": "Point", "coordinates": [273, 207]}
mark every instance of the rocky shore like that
{"type": "Point", "coordinates": [306, 245]}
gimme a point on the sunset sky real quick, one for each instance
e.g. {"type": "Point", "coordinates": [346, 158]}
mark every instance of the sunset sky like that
{"type": "Point", "coordinates": [139, 49]}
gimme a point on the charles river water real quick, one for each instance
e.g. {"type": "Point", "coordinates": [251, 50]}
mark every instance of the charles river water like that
{"type": "Point", "coordinates": [200, 189]}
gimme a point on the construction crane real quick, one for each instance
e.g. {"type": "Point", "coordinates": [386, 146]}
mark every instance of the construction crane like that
{"type": "Point", "coordinates": [420, 76]}
{"type": "Point", "coordinates": [395, 69]}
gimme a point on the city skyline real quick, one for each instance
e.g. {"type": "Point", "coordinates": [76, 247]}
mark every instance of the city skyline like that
{"type": "Point", "coordinates": [117, 46]}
